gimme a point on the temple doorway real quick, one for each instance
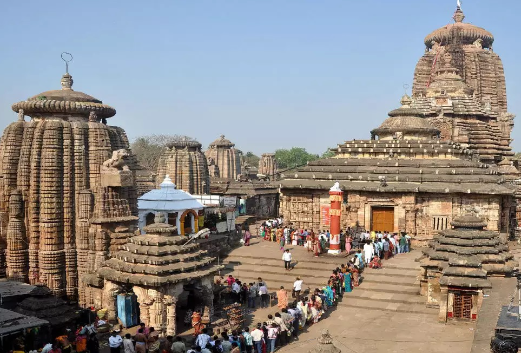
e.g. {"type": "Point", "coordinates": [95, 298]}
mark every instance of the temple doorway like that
{"type": "Point", "coordinates": [382, 219]}
{"type": "Point", "coordinates": [189, 223]}
{"type": "Point", "coordinates": [190, 300]}
{"type": "Point", "coordinates": [462, 305]}
{"type": "Point", "coordinates": [149, 219]}
{"type": "Point", "coordinates": [127, 309]}
{"type": "Point", "coordinates": [172, 219]}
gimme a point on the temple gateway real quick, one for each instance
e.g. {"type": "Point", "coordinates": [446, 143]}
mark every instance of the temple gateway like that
{"type": "Point", "coordinates": [443, 152]}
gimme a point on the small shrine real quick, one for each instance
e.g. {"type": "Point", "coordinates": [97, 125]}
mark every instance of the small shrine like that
{"type": "Point", "coordinates": [457, 264]}
{"type": "Point", "coordinates": [183, 211]}
{"type": "Point", "coordinates": [165, 273]}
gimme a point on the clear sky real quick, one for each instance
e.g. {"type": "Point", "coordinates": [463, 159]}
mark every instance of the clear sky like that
{"type": "Point", "coordinates": [266, 73]}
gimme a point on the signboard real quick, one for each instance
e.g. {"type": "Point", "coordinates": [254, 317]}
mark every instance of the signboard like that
{"type": "Point", "coordinates": [229, 201]}
{"type": "Point", "coordinates": [325, 217]}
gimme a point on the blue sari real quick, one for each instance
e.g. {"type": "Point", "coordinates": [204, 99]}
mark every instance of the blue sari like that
{"type": "Point", "coordinates": [347, 282]}
{"type": "Point", "coordinates": [329, 295]}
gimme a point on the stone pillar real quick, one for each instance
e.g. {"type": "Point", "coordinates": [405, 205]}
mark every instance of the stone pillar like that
{"type": "Point", "coordinates": [335, 196]}
{"type": "Point", "coordinates": [171, 303]}
{"type": "Point", "coordinates": [17, 252]}
{"type": "Point", "coordinates": [444, 303]}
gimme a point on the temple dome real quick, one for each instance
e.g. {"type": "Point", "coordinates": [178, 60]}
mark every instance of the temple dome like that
{"type": "Point", "coordinates": [184, 142]}
{"type": "Point", "coordinates": [168, 198]}
{"type": "Point", "coordinates": [405, 120]}
{"type": "Point", "coordinates": [468, 33]}
{"type": "Point", "coordinates": [222, 142]}
{"type": "Point", "coordinates": [64, 101]}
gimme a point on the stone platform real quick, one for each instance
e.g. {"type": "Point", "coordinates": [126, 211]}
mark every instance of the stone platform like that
{"type": "Point", "coordinates": [384, 314]}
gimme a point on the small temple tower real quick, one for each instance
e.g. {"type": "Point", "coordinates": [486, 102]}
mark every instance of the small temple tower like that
{"type": "Point", "coordinates": [67, 189]}
{"type": "Point", "coordinates": [158, 267]}
{"type": "Point", "coordinates": [186, 165]}
{"type": "Point", "coordinates": [268, 165]}
{"type": "Point", "coordinates": [457, 263]}
{"type": "Point", "coordinates": [223, 159]}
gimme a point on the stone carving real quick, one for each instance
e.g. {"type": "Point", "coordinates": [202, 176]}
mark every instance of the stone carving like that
{"type": "Point", "coordinates": [117, 161]}
{"type": "Point", "coordinates": [93, 117]}
{"type": "Point", "coordinates": [21, 115]}
{"type": "Point", "coordinates": [478, 43]}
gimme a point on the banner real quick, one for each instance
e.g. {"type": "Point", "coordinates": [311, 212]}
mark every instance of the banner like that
{"type": "Point", "coordinates": [229, 201]}
{"type": "Point", "coordinates": [325, 217]}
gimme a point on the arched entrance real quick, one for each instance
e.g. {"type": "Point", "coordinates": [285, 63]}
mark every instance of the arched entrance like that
{"type": "Point", "coordinates": [149, 219]}
{"type": "Point", "coordinates": [189, 222]}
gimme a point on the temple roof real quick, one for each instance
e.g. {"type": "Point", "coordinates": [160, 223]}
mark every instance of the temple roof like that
{"type": "Point", "coordinates": [392, 166]}
{"type": "Point", "coordinates": [168, 198]}
{"type": "Point", "coordinates": [467, 253]}
{"type": "Point", "coordinates": [468, 33]}
{"type": "Point", "coordinates": [64, 101]}
{"type": "Point", "coordinates": [158, 258]}
{"type": "Point", "coordinates": [406, 119]}
{"type": "Point", "coordinates": [222, 142]}
{"type": "Point", "coordinates": [183, 142]}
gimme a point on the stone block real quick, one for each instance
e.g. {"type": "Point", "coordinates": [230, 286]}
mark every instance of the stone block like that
{"type": "Point", "coordinates": [119, 178]}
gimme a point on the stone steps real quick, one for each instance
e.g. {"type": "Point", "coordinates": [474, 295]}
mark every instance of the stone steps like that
{"type": "Point", "coordinates": [314, 275]}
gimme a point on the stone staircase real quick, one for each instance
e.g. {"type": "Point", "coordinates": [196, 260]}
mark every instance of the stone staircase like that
{"type": "Point", "coordinates": [393, 288]}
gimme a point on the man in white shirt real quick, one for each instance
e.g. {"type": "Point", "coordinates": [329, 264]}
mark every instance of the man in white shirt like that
{"type": "Point", "coordinates": [203, 338]}
{"type": "Point", "coordinates": [297, 287]}
{"type": "Point", "coordinates": [286, 256]}
{"type": "Point", "coordinates": [257, 335]}
{"type": "Point", "coordinates": [265, 297]}
{"type": "Point", "coordinates": [368, 252]}
{"type": "Point", "coordinates": [115, 342]}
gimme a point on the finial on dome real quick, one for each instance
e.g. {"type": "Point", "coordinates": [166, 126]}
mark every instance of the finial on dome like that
{"type": "Point", "coordinates": [459, 16]}
{"type": "Point", "coordinates": [406, 101]}
{"type": "Point", "coordinates": [66, 80]}
{"type": "Point", "coordinates": [167, 182]}
{"type": "Point", "coordinates": [222, 137]}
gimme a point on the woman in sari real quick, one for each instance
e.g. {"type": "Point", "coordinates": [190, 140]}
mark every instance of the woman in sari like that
{"type": "Point", "coordinates": [349, 242]}
{"type": "Point", "coordinates": [273, 235]}
{"type": "Point", "coordinates": [309, 241]}
{"type": "Point", "coordinates": [263, 233]}
{"type": "Point", "coordinates": [348, 284]}
{"type": "Point", "coordinates": [197, 323]}
{"type": "Point", "coordinates": [304, 312]}
{"type": "Point", "coordinates": [282, 239]}
{"type": "Point", "coordinates": [294, 237]}
{"type": "Point", "coordinates": [316, 308]}
{"type": "Point", "coordinates": [247, 237]}
{"type": "Point", "coordinates": [328, 291]}
{"type": "Point", "coordinates": [355, 273]}
{"type": "Point", "coordinates": [316, 246]}
{"type": "Point", "coordinates": [282, 298]}
{"type": "Point", "coordinates": [153, 341]}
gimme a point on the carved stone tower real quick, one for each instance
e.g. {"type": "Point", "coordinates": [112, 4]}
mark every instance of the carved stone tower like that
{"type": "Point", "coordinates": [223, 159]}
{"type": "Point", "coordinates": [186, 165]}
{"type": "Point", "coordinates": [64, 202]}
{"type": "Point", "coordinates": [268, 165]}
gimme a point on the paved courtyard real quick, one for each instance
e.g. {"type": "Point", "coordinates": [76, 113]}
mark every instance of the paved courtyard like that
{"type": "Point", "coordinates": [384, 314]}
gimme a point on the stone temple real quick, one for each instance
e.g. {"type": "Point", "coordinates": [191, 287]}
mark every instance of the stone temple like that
{"type": "Point", "coordinates": [67, 191]}
{"type": "Point", "coordinates": [441, 154]}
{"type": "Point", "coordinates": [224, 160]}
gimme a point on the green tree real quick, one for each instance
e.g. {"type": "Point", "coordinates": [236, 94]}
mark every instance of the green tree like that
{"type": "Point", "coordinates": [328, 154]}
{"type": "Point", "coordinates": [251, 159]}
{"type": "Point", "coordinates": [294, 157]}
{"type": "Point", "coordinates": [148, 149]}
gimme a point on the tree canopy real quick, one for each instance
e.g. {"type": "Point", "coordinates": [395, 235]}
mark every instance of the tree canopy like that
{"type": "Point", "coordinates": [294, 157]}
{"type": "Point", "coordinates": [251, 159]}
{"type": "Point", "coordinates": [148, 149]}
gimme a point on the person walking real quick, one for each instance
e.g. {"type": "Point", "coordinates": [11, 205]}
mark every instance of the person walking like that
{"type": "Point", "coordinates": [283, 330]}
{"type": "Point", "coordinates": [178, 346]}
{"type": "Point", "coordinates": [257, 336]}
{"type": "Point", "coordinates": [115, 342]}
{"type": "Point", "coordinates": [368, 251]}
{"type": "Point", "coordinates": [248, 340]}
{"type": "Point", "coordinates": [385, 248]}
{"type": "Point", "coordinates": [403, 243]}
{"type": "Point", "coordinates": [286, 257]}
{"type": "Point", "coordinates": [252, 295]}
{"type": "Point", "coordinates": [349, 242]}
{"type": "Point", "coordinates": [297, 288]}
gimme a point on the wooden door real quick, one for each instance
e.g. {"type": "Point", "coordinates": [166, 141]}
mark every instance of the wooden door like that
{"type": "Point", "coordinates": [382, 219]}
{"type": "Point", "coordinates": [462, 305]}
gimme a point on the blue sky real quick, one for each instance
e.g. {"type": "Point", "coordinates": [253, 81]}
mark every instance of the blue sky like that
{"type": "Point", "coordinates": [266, 73]}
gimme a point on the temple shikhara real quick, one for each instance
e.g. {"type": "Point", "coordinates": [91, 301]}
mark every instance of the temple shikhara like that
{"type": "Point", "coordinates": [446, 149]}
{"type": "Point", "coordinates": [80, 216]}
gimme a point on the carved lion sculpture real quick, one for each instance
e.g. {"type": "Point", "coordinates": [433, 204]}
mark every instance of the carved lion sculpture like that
{"type": "Point", "coordinates": [117, 161]}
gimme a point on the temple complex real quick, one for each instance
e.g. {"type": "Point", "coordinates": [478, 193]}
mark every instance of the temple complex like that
{"type": "Point", "coordinates": [185, 163]}
{"type": "Point", "coordinates": [157, 268]}
{"type": "Point", "coordinates": [267, 166]}
{"type": "Point", "coordinates": [442, 151]}
{"type": "Point", "coordinates": [456, 265]}
{"type": "Point", "coordinates": [224, 160]}
{"type": "Point", "coordinates": [67, 189]}
{"type": "Point", "coordinates": [459, 85]}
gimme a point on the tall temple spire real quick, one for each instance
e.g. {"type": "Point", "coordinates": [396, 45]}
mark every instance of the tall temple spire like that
{"type": "Point", "coordinates": [458, 16]}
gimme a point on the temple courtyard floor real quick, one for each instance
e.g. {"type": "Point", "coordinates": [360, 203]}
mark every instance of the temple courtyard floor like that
{"type": "Point", "coordinates": [384, 314]}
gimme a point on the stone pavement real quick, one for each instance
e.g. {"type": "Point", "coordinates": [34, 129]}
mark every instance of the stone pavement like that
{"type": "Point", "coordinates": [384, 314]}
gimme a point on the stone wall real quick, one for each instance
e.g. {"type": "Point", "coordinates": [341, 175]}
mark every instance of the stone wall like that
{"type": "Point", "coordinates": [420, 215]}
